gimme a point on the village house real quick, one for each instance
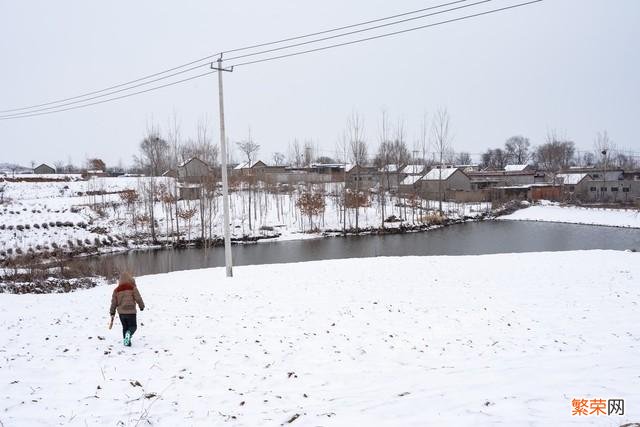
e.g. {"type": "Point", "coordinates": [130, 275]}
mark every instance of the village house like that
{"type": "Point", "coordinates": [575, 186]}
{"type": "Point", "coordinates": [389, 176]}
{"type": "Point", "coordinates": [412, 170]}
{"type": "Point", "coordinates": [597, 185]}
{"type": "Point", "coordinates": [249, 169]}
{"type": "Point", "coordinates": [454, 184]}
{"type": "Point", "coordinates": [411, 184]}
{"type": "Point", "coordinates": [361, 177]}
{"type": "Point", "coordinates": [193, 170]}
{"type": "Point", "coordinates": [530, 192]}
{"type": "Point", "coordinates": [486, 179]}
{"type": "Point", "coordinates": [44, 169]}
{"type": "Point", "coordinates": [518, 168]}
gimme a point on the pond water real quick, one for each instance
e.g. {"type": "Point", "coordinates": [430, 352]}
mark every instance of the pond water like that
{"type": "Point", "coordinates": [474, 238]}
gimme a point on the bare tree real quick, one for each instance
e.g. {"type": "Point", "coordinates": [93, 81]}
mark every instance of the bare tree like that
{"type": "Point", "coordinates": [59, 165]}
{"type": "Point", "coordinates": [357, 151]}
{"type": "Point", "coordinates": [423, 138]}
{"type": "Point", "coordinates": [517, 149]}
{"type": "Point", "coordinates": [278, 159]}
{"type": "Point", "coordinates": [249, 149]}
{"type": "Point", "coordinates": [441, 142]}
{"type": "Point", "coordinates": [173, 136]}
{"type": "Point", "coordinates": [295, 154]}
{"type": "Point", "coordinates": [154, 158]}
{"type": "Point", "coordinates": [494, 158]}
{"type": "Point", "coordinates": [463, 158]}
{"type": "Point", "coordinates": [556, 154]}
{"type": "Point", "coordinates": [383, 163]}
{"type": "Point", "coordinates": [604, 148]}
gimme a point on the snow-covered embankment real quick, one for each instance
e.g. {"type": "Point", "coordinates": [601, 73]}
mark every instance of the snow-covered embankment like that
{"type": "Point", "coordinates": [551, 212]}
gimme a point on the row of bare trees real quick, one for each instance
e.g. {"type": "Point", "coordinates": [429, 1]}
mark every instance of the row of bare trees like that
{"type": "Point", "coordinates": [558, 153]}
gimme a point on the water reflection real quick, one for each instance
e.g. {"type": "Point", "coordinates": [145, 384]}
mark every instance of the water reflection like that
{"type": "Point", "coordinates": [464, 239]}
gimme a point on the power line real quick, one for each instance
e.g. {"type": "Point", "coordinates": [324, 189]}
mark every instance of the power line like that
{"type": "Point", "coordinates": [56, 110]}
{"type": "Point", "coordinates": [228, 51]}
{"type": "Point", "coordinates": [112, 99]}
{"type": "Point", "coordinates": [105, 94]}
{"type": "Point", "coordinates": [386, 34]}
{"type": "Point", "coordinates": [358, 31]}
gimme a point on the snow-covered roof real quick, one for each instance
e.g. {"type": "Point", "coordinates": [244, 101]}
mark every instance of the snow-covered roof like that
{"type": "Point", "coordinates": [434, 174]}
{"type": "Point", "coordinates": [349, 167]}
{"type": "Point", "coordinates": [389, 168]}
{"type": "Point", "coordinates": [571, 178]}
{"type": "Point", "coordinates": [327, 165]}
{"type": "Point", "coordinates": [411, 179]}
{"type": "Point", "coordinates": [515, 168]}
{"type": "Point", "coordinates": [247, 165]}
{"type": "Point", "coordinates": [413, 169]}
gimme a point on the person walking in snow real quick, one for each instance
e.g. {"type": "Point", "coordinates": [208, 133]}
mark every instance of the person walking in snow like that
{"type": "Point", "coordinates": [124, 298]}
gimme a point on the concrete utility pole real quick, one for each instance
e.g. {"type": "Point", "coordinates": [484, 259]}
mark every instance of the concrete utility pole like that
{"type": "Point", "coordinates": [225, 182]}
{"type": "Point", "coordinates": [604, 176]}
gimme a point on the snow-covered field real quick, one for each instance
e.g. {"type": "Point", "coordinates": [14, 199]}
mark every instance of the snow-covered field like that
{"type": "Point", "coordinates": [42, 216]}
{"type": "Point", "coordinates": [505, 339]}
{"type": "Point", "coordinates": [577, 215]}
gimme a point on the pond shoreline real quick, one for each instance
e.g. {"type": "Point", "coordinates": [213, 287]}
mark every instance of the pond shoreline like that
{"type": "Point", "coordinates": [44, 274]}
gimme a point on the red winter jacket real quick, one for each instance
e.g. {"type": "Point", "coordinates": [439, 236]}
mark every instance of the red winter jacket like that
{"type": "Point", "coordinates": [124, 298]}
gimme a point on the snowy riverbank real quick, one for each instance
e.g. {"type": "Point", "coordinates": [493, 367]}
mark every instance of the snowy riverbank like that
{"type": "Point", "coordinates": [551, 212]}
{"type": "Point", "coordinates": [92, 217]}
{"type": "Point", "coordinates": [473, 340]}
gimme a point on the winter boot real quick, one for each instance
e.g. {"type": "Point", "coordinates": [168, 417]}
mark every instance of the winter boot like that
{"type": "Point", "coordinates": [127, 339]}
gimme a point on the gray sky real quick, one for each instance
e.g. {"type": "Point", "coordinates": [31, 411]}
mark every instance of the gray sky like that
{"type": "Point", "coordinates": [569, 65]}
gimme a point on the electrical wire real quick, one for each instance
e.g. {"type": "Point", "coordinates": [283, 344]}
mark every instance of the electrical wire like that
{"type": "Point", "coordinates": [241, 64]}
{"type": "Point", "coordinates": [358, 31]}
{"type": "Point", "coordinates": [106, 94]}
{"type": "Point", "coordinates": [228, 51]}
{"type": "Point", "coordinates": [113, 99]}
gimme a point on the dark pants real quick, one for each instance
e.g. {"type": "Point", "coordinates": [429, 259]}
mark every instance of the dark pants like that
{"type": "Point", "coordinates": [128, 323]}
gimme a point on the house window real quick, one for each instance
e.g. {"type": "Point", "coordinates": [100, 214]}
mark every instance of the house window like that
{"type": "Point", "coordinates": [614, 188]}
{"type": "Point", "coordinates": [625, 189]}
{"type": "Point", "coordinates": [593, 189]}
{"type": "Point", "coordinates": [603, 189]}
{"type": "Point", "coordinates": [572, 188]}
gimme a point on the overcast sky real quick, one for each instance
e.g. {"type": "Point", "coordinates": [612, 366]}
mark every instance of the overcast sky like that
{"type": "Point", "coordinates": [568, 65]}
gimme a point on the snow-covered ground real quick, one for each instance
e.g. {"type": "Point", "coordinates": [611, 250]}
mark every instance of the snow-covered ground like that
{"type": "Point", "coordinates": [92, 216]}
{"type": "Point", "coordinates": [552, 212]}
{"type": "Point", "coordinates": [505, 339]}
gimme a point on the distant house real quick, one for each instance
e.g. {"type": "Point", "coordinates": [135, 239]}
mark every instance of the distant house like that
{"type": "Point", "coordinates": [413, 170]}
{"type": "Point", "coordinates": [601, 186]}
{"type": "Point", "coordinates": [193, 170]}
{"type": "Point", "coordinates": [487, 179]}
{"type": "Point", "coordinates": [518, 168]}
{"type": "Point", "coordinates": [574, 185]}
{"type": "Point", "coordinates": [449, 180]}
{"type": "Point", "coordinates": [389, 176]}
{"type": "Point", "coordinates": [410, 184]}
{"type": "Point", "coordinates": [44, 169]}
{"type": "Point", "coordinates": [249, 168]}
{"type": "Point", "coordinates": [361, 177]}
